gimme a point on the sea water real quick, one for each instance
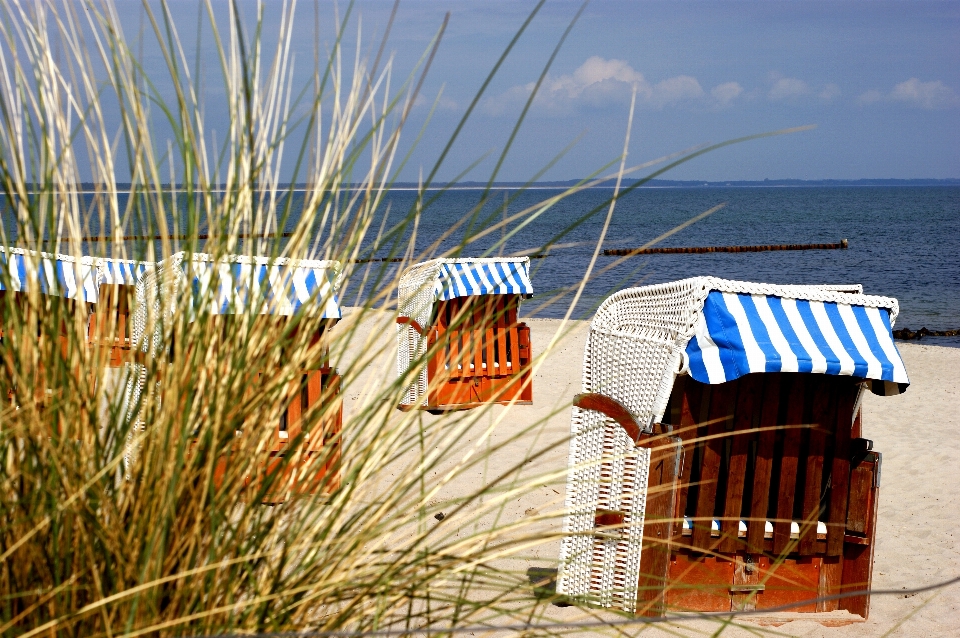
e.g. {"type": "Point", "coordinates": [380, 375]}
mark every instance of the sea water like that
{"type": "Point", "coordinates": [904, 241]}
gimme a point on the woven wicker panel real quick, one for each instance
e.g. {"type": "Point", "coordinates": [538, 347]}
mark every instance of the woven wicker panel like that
{"type": "Point", "coordinates": [632, 355]}
{"type": "Point", "coordinates": [597, 568]}
{"type": "Point", "coordinates": [136, 379]}
{"type": "Point", "coordinates": [416, 299]}
{"type": "Point", "coordinates": [156, 299]}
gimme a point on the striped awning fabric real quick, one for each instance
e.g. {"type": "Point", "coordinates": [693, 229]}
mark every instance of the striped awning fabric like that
{"type": "Point", "coordinates": [738, 333]}
{"type": "Point", "coordinates": [277, 287]}
{"type": "Point", "coordinates": [123, 272]}
{"type": "Point", "coordinates": [467, 278]}
{"type": "Point", "coordinates": [50, 274]}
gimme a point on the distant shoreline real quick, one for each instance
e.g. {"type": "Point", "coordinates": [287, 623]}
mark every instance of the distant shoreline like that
{"type": "Point", "coordinates": [89, 188]}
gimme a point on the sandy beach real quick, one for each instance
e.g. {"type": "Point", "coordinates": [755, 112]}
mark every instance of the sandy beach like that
{"type": "Point", "coordinates": [918, 542]}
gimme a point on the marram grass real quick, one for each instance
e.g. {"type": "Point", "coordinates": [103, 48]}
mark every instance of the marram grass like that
{"type": "Point", "coordinates": [113, 520]}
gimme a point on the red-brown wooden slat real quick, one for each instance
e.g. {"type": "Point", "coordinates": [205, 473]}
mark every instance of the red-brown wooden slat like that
{"type": "Point", "coordinates": [722, 401]}
{"type": "Point", "coordinates": [786, 491]}
{"type": "Point", "coordinates": [476, 333]}
{"type": "Point", "coordinates": [747, 400]}
{"type": "Point", "coordinates": [840, 472]}
{"type": "Point", "coordinates": [443, 358]}
{"type": "Point", "coordinates": [454, 340]}
{"type": "Point", "coordinates": [858, 506]}
{"type": "Point", "coordinates": [665, 459]}
{"type": "Point", "coordinates": [514, 348]}
{"type": "Point", "coordinates": [314, 392]}
{"type": "Point", "coordinates": [489, 309]}
{"type": "Point", "coordinates": [122, 329]}
{"type": "Point", "coordinates": [763, 465]}
{"type": "Point", "coordinates": [702, 416]}
{"type": "Point", "coordinates": [454, 306]}
{"type": "Point", "coordinates": [470, 339]}
{"type": "Point", "coordinates": [821, 422]}
{"type": "Point", "coordinates": [293, 412]}
{"type": "Point", "coordinates": [501, 337]}
{"type": "Point", "coordinates": [512, 304]}
{"type": "Point", "coordinates": [687, 393]}
{"type": "Point", "coordinates": [466, 328]}
{"type": "Point", "coordinates": [460, 329]}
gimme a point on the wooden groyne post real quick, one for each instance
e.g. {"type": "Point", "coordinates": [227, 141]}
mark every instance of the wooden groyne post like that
{"type": "Point", "coordinates": [630, 252]}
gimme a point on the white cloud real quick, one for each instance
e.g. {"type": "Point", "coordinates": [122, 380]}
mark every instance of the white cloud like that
{"type": "Point", "coordinates": [726, 92]}
{"type": "Point", "coordinates": [593, 74]}
{"type": "Point", "coordinates": [673, 90]}
{"type": "Point", "coordinates": [598, 82]}
{"type": "Point", "coordinates": [785, 88]}
{"type": "Point", "coordinates": [444, 103]}
{"type": "Point", "coordinates": [926, 95]}
{"type": "Point", "coordinates": [830, 92]}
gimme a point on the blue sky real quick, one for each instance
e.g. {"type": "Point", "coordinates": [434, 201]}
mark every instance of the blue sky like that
{"type": "Point", "coordinates": [880, 80]}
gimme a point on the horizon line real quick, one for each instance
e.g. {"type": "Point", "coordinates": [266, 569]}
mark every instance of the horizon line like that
{"type": "Point", "coordinates": [92, 187]}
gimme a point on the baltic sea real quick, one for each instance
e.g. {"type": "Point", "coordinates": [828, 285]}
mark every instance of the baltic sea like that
{"type": "Point", "coordinates": [904, 242]}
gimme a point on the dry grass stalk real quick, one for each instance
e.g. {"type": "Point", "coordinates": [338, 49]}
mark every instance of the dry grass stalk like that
{"type": "Point", "coordinates": [113, 522]}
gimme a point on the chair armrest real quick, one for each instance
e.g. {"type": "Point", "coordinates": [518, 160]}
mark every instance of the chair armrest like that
{"type": "Point", "coordinates": [612, 408]}
{"type": "Point", "coordinates": [412, 323]}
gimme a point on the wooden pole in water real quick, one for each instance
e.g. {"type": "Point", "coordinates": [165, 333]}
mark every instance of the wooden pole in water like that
{"type": "Point", "coordinates": [630, 252]}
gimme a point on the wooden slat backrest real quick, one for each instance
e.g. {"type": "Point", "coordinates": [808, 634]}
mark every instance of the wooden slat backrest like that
{"type": "Point", "coordinates": [490, 307]}
{"type": "Point", "coordinates": [479, 335]}
{"type": "Point", "coordinates": [823, 424]}
{"type": "Point", "coordinates": [858, 507]}
{"type": "Point", "coordinates": [722, 400]}
{"type": "Point", "coordinates": [699, 434]}
{"type": "Point", "coordinates": [501, 347]}
{"type": "Point", "coordinates": [789, 462]}
{"type": "Point", "coordinates": [840, 475]}
{"type": "Point", "coordinates": [768, 447]}
{"type": "Point", "coordinates": [310, 396]}
{"type": "Point", "coordinates": [514, 341]}
{"type": "Point", "coordinates": [454, 359]}
{"type": "Point", "coordinates": [686, 410]}
{"type": "Point", "coordinates": [763, 462]}
{"type": "Point", "coordinates": [666, 459]}
{"type": "Point", "coordinates": [743, 435]}
{"type": "Point", "coordinates": [477, 331]}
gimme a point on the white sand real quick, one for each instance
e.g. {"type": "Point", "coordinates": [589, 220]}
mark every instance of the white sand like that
{"type": "Point", "coordinates": [918, 539]}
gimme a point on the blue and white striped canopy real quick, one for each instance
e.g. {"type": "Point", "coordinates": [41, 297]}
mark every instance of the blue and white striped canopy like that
{"type": "Point", "coordinates": [467, 278]}
{"type": "Point", "coordinates": [123, 272]}
{"type": "Point", "coordinates": [278, 287]}
{"type": "Point", "coordinates": [738, 333]}
{"type": "Point", "coordinates": [49, 274]}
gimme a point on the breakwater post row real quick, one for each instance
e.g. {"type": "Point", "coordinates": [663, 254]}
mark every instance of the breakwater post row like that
{"type": "Point", "coordinates": [630, 252]}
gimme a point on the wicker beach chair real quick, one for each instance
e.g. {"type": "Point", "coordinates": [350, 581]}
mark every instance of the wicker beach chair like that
{"type": "Point", "coordinates": [716, 456]}
{"type": "Point", "coordinates": [110, 324]}
{"type": "Point", "coordinates": [280, 288]}
{"type": "Point", "coordinates": [56, 280]}
{"type": "Point", "coordinates": [105, 285]}
{"type": "Point", "coordinates": [462, 314]}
